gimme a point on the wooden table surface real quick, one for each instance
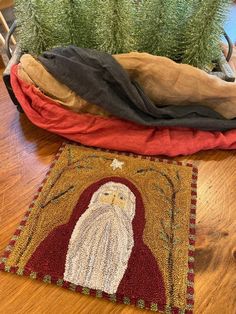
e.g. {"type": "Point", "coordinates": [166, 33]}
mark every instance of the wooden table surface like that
{"type": "Point", "coordinates": [25, 155]}
{"type": "Point", "coordinates": [6, 4]}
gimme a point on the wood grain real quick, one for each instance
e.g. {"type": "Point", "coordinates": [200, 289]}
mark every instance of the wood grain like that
{"type": "Point", "coordinates": [25, 155]}
{"type": "Point", "coordinates": [6, 27]}
{"type": "Point", "coordinates": [1, 62]}
{"type": "Point", "coordinates": [6, 4]}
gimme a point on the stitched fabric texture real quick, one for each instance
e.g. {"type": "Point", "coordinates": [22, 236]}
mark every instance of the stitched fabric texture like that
{"type": "Point", "coordinates": [112, 225]}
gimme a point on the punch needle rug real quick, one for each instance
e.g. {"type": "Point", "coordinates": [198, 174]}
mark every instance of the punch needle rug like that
{"type": "Point", "coordinates": [112, 225]}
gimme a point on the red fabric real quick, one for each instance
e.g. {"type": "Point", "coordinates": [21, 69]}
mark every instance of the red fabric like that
{"type": "Point", "coordinates": [142, 278]}
{"type": "Point", "coordinates": [114, 133]}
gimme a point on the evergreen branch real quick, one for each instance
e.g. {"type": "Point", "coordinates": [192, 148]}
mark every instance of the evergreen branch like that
{"type": "Point", "coordinates": [187, 31]}
{"type": "Point", "coordinates": [203, 32]}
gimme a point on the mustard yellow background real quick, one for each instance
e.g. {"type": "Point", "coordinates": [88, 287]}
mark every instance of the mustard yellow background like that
{"type": "Point", "coordinates": [77, 168]}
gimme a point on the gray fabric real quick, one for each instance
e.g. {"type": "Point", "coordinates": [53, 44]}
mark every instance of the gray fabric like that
{"type": "Point", "coordinates": [99, 79]}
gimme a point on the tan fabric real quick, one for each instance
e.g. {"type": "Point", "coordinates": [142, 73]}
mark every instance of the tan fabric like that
{"type": "Point", "coordinates": [23, 75]}
{"type": "Point", "coordinates": [164, 81]}
{"type": "Point", "coordinates": [169, 83]}
{"type": "Point", "coordinates": [32, 71]}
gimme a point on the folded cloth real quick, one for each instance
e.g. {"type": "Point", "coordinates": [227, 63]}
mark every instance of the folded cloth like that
{"type": "Point", "coordinates": [25, 77]}
{"type": "Point", "coordinates": [98, 78]}
{"type": "Point", "coordinates": [168, 82]}
{"type": "Point", "coordinates": [113, 133]}
{"type": "Point", "coordinates": [32, 71]}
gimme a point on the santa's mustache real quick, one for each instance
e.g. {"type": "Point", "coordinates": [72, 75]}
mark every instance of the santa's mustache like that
{"type": "Point", "coordinates": [119, 212]}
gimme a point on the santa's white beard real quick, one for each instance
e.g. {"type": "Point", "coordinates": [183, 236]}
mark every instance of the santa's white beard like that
{"type": "Point", "coordinates": [99, 248]}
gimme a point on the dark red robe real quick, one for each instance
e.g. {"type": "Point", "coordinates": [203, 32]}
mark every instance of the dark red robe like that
{"type": "Point", "coordinates": [142, 278]}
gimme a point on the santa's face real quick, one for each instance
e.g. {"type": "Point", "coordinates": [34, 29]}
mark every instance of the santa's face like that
{"type": "Point", "coordinates": [113, 197]}
{"type": "Point", "coordinates": [116, 196]}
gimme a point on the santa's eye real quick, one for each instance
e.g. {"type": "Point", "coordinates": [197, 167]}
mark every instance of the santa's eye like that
{"type": "Point", "coordinates": [106, 193]}
{"type": "Point", "coordinates": [122, 197]}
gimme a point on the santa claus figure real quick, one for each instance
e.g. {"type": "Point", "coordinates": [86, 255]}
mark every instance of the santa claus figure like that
{"type": "Point", "coordinates": [101, 247]}
{"type": "Point", "coordinates": [102, 240]}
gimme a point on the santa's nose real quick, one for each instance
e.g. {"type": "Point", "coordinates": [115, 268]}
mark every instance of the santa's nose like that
{"type": "Point", "coordinates": [113, 199]}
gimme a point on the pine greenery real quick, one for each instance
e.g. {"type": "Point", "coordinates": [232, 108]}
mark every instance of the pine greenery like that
{"type": "Point", "coordinates": [182, 11]}
{"type": "Point", "coordinates": [203, 32]}
{"type": "Point", "coordinates": [79, 23]}
{"type": "Point", "coordinates": [30, 30]}
{"type": "Point", "coordinates": [153, 34]}
{"type": "Point", "coordinates": [113, 22]}
{"type": "Point", "coordinates": [187, 31]}
{"type": "Point", "coordinates": [42, 25]}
